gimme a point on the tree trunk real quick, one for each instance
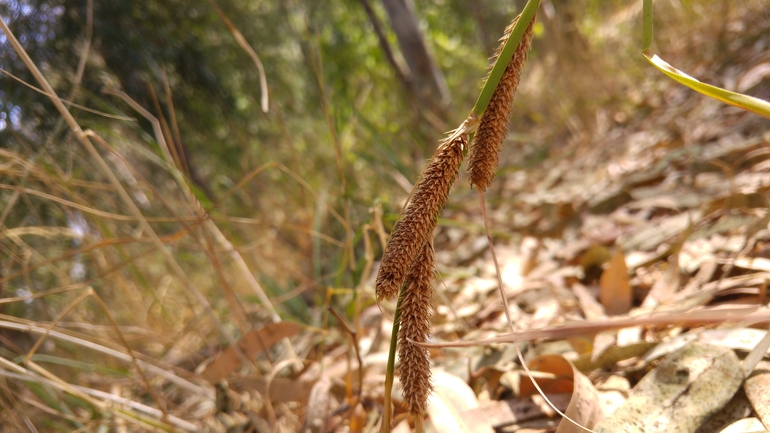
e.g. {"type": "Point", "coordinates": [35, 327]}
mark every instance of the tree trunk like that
{"type": "Point", "coordinates": [427, 79]}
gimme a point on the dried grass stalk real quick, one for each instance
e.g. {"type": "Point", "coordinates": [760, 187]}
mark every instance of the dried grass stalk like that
{"type": "Point", "coordinates": [493, 127]}
{"type": "Point", "coordinates": [419, 218]}
{"type": "Point", "coordinates": [415, 326]}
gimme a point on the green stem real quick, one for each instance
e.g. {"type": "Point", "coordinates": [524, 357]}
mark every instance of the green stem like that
{"type": "Point", "coordinates": [390, 371]}
{"type": "Point", "coordinates": [505, 57]}
{"type": "Point", "coordinates": [647, 27]}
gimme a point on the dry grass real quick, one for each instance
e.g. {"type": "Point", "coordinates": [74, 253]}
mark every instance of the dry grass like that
{"type": "Point", "coordinates": [118, 283]}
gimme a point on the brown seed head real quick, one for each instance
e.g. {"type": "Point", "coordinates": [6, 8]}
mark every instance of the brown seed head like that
{"type": "Point", "coordinates": [493, 127]}
{"type": "Point", "coordinates": [415, 326]}
{"type": "Point", "coordinates": [419, 218]}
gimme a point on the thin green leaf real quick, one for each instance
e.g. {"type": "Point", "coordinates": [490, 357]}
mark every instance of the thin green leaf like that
{"type": "Point", "coordinates": [739, 100]}
{"type": "Point", "coordinates": [84, 366]}
{"type": "Point", "coordinates": [647, 28]}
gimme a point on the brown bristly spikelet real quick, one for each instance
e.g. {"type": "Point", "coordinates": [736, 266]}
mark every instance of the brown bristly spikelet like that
{"type": "Point", "coordinates": [419, 218]}
{"type": "Point", "coordinates": [415, 326]}
{"type": "Point", "coordinates": [493, 127]}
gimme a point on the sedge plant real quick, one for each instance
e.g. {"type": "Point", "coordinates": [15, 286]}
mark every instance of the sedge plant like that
{"type": "Point", "coordinates": [407, 267]}
{"type": "Point", "coordinates": [408, 263]}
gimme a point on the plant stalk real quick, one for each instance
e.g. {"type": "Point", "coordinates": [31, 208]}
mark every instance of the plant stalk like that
{"type": "Point", "coordinates": [387, 416]}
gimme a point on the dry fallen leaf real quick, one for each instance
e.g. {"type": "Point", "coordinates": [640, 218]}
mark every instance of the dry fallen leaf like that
{"type": "Point", "coordinates": [611, 356]}
{"type": "Point", "coordinates": [757, 387]}
{"type": "Point", "coordinates": [561, 382]}
{"type": "Point", "coordinates": [666, 285]}
{"type": "Point", "coordinates": [591, 308]}
{"type": "Point", "coordinates": [452, 396]}
{"type": "Point", "coordinates": [736, 409]}
{"type": "Point", "coordinates": [402, 427]}
{"type": "Point", "coordinates": [251, 344]}
{"type": "Point", "coordinates": [586, 406]}
{"type": "Point", "coordinates": [686, 387]}
{"type": "Point", "coordinates": [279, 389]}
{"type": "Point", "coordinates": [515, 411]}
{"type": "Point", "coordinates": [358, 419]}
{"type": "Point", "coordinates": [596, 255]}
{"type": "Point", "coordinates": [614, 286]}
{"type": "Point", "coordinates": [748, 425]}
{"type": "Point", "coordinates": [317, 408]}
{"type": "Point", "coordinates": [744, 339]}
{"type": "Point", "coordinates": [754, 263]}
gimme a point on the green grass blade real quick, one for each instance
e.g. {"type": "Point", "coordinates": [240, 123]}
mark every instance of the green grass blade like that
{"type": "Point", "coordinates": [387, 417]}
{"type": "Point", "coordinates": [746, 102]}
{"type": "Point", "coordinates": [647, 27]}
{"type": "Point", "coordinates": [739, 100]}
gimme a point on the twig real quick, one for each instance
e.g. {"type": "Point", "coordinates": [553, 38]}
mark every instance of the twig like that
{"type": "Point", "coordinates": [250, 51]}
{"type": "Point", "coordinates": [354, 337]}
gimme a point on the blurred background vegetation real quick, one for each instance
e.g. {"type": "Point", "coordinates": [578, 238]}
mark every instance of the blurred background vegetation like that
{"type": "Point", "coordinates": [339, 117]}
{"type": "Point", "coordinates": [355, 110]}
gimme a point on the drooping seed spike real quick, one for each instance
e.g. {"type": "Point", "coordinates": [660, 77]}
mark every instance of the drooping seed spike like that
{"type": "Point", "coordinates": [415, 327]}
{"type": "Point", "coordinates": [419, 218]}
{"type": "Point", "coordinates": [493, 127]}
